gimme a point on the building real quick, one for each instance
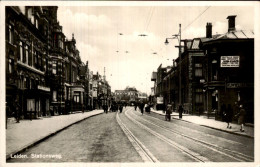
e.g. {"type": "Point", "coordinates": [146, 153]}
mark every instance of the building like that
{"type": "Point", "coordinates": [44, 71]}
{"type": "Point", "coordinates": [229, 74]}
{"type": "Point", "coordinates": [216, 71]}
{"type": "Point", "coordinates": [27, 68]}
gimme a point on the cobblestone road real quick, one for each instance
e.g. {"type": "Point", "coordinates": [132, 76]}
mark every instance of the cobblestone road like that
{"type": "Point", "coordinates": [97, 139]}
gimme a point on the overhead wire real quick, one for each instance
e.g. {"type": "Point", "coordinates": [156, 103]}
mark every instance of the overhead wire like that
{"type": "Point", "coordinates": [196, 18]}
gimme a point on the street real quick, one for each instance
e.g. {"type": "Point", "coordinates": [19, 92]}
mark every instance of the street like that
{"type": "Point", "coordinates": [149, 139]}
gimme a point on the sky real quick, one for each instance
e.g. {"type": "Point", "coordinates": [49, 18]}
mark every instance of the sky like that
{"type": "Point", "coordinates": [96, 30]}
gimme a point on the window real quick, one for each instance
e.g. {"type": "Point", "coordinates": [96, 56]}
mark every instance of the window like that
{"type": "Point", "coordinates": [54, 95]}
{"type": "Point", "coordinates": [60, 43]}
{"type": "Point", "coordinates": [32, 56]}
{"type": "Point", "coordinates": [27, 83]}
{"type": "Point", "coordinates": [10, 65]}
{"type": "Point", "coordinates": [198, 70]}
{"type": "Point", "coordinates": [54, 67]}
{"type": "Point", "coordinates": [36, 23]}
{"type": "Point", "coordinates": [199, 96]}
{"type": "Point", "coordinates": [21, 52]}
{"type": "Point", "coordinates": [30, 15]}
{"type": "Point", "coordinates": [30, 104]}
{"type": "Point", "coordinates": [76, 97]}
{"type": "Point", "coordinates": [10, 34]}
{"type": "Point", "coordinates": [25, 56]}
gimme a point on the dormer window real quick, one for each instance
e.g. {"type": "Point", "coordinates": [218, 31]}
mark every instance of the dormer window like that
{"type": "Point", "coordinates": [30, 15]}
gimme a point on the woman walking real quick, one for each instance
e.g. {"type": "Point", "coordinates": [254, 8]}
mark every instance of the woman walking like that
{"type": "Point", "coordinates": [228, 116]}
{"type": "Point", "coordinates": [180, 111]}
{"type": "Point", "coordinates": [241, 117]}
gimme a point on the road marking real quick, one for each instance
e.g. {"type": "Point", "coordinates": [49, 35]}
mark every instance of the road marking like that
{"type": "Point", "coordinates": [145, 154]}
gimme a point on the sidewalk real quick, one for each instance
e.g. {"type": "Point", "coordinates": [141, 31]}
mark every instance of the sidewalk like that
{"type": "Point", "coordinates": [20, 136]}
{"type": "Point", "coordinates": [211, 123]}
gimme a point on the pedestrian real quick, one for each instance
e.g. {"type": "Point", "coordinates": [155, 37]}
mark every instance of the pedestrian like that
{"type": "Point", "coordinates": [142, 108]}
{"type": "Point", "coordinates": [241, 117]}
{"type": "Point", "coordinates": [168, 112]}
{"type": "Point", "coordinates": [228, 116]}
{"type": "Point", "coordinates": [135, 106]}
{"type": "Point", "coordinates": [120, 108]}
{"type": "Point", "coordinates": [180, 111]}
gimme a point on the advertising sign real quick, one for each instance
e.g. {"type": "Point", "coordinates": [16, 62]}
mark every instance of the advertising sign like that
{"type": "Point", "coordinates": [229, 61]}
{"type": "Point", "coordinates": [159, 100]}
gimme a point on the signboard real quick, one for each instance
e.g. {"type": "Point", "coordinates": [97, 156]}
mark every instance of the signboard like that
{"type": "Point", "coordinates": [239, 85]}
{"type": "Point", "coordinates": [197, 54]}
{"type": "Point", "coordinates": [47, 89]}
{"type": "Point", "coordinates": [229, 61]}
{"type": "Point", "coordinates": [159, 100]}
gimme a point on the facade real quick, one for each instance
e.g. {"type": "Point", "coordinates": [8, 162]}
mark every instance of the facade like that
{"type": "Point", "coordinates": [229, 74]}
{"type": "Point", "coordinates": [214, 75]}
{"type": "Point", "coordinates": [101, 91]}
{"type": "Point", "coordinates": [27, 58]}
{"type": "Point", "coordinates": [44, 71]}
{"type": "Point", "coordinates": [129, 95]}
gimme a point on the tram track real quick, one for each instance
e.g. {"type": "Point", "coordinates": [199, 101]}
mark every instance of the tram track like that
{"type": "Point", "coordinates": [196, 156]}
{"type": "Point", "coordinates": [145, 154]}
{"type": "Point", "coordinates": [224, 151]}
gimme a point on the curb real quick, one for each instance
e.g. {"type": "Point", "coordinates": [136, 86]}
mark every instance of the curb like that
{"type": "Point", "coordinates": [46, 137]}
{"type": "Point", "coordinates": [212, 127]}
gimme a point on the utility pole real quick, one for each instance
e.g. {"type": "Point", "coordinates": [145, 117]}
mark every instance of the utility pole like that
{"type": "Point", "coordinates": [177, 36]}
{"type": "Point", "coordinates": [180, 100]}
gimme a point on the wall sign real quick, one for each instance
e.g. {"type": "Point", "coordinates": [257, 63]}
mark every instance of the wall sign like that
{"type": "Point", "coordinates": [229, 61]}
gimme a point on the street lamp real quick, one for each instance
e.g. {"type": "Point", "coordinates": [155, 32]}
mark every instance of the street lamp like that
{"type": "Point", "coordinates": [177, 36]}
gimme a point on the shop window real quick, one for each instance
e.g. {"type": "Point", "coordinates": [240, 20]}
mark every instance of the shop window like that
{"type": "Point", "coordinates": [198, 70]}
{"type": "Point", "coordinates": [199, 96]}
{"type": "Point", "coordinates": [30, 104]}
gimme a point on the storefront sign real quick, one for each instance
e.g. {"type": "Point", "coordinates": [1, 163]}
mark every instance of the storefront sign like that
{"type": "Point", "coordinates": [159, 100]}
{"type": "Point", "coordinates": [47, 89]}
{"type": "Point", "coordinates": [198, 54]}
{"type": "Point", "coordinates": [239, 85]}
{"type": "Point", "coordinates": [229, 61]}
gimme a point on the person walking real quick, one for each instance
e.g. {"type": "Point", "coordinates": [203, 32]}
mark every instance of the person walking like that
{"type": "Point", "coordinates": [120, 108]}
{"type": "Point", "coordinates": [168, 112]}
{"type": "Point", "coordinates": [180, 111]}
{"type": "Point", "coordinates": [142, 108]}
{"type": "Point", "coordinates": [228, 116]}
{"type": "Point", "coordinates": [241, 117]}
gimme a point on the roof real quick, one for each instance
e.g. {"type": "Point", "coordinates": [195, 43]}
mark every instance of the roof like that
{"type": "Point", "coordinates": [240, 34]}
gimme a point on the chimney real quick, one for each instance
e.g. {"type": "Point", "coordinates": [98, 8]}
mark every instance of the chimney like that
{"type": "Point", "coordinates": [231, 23]}
{"type": "Point", "coordinates": [209, 30]}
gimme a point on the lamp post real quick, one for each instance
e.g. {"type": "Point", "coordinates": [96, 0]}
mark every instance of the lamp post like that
{"type": "Point", "coordinates": [177, 36]}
